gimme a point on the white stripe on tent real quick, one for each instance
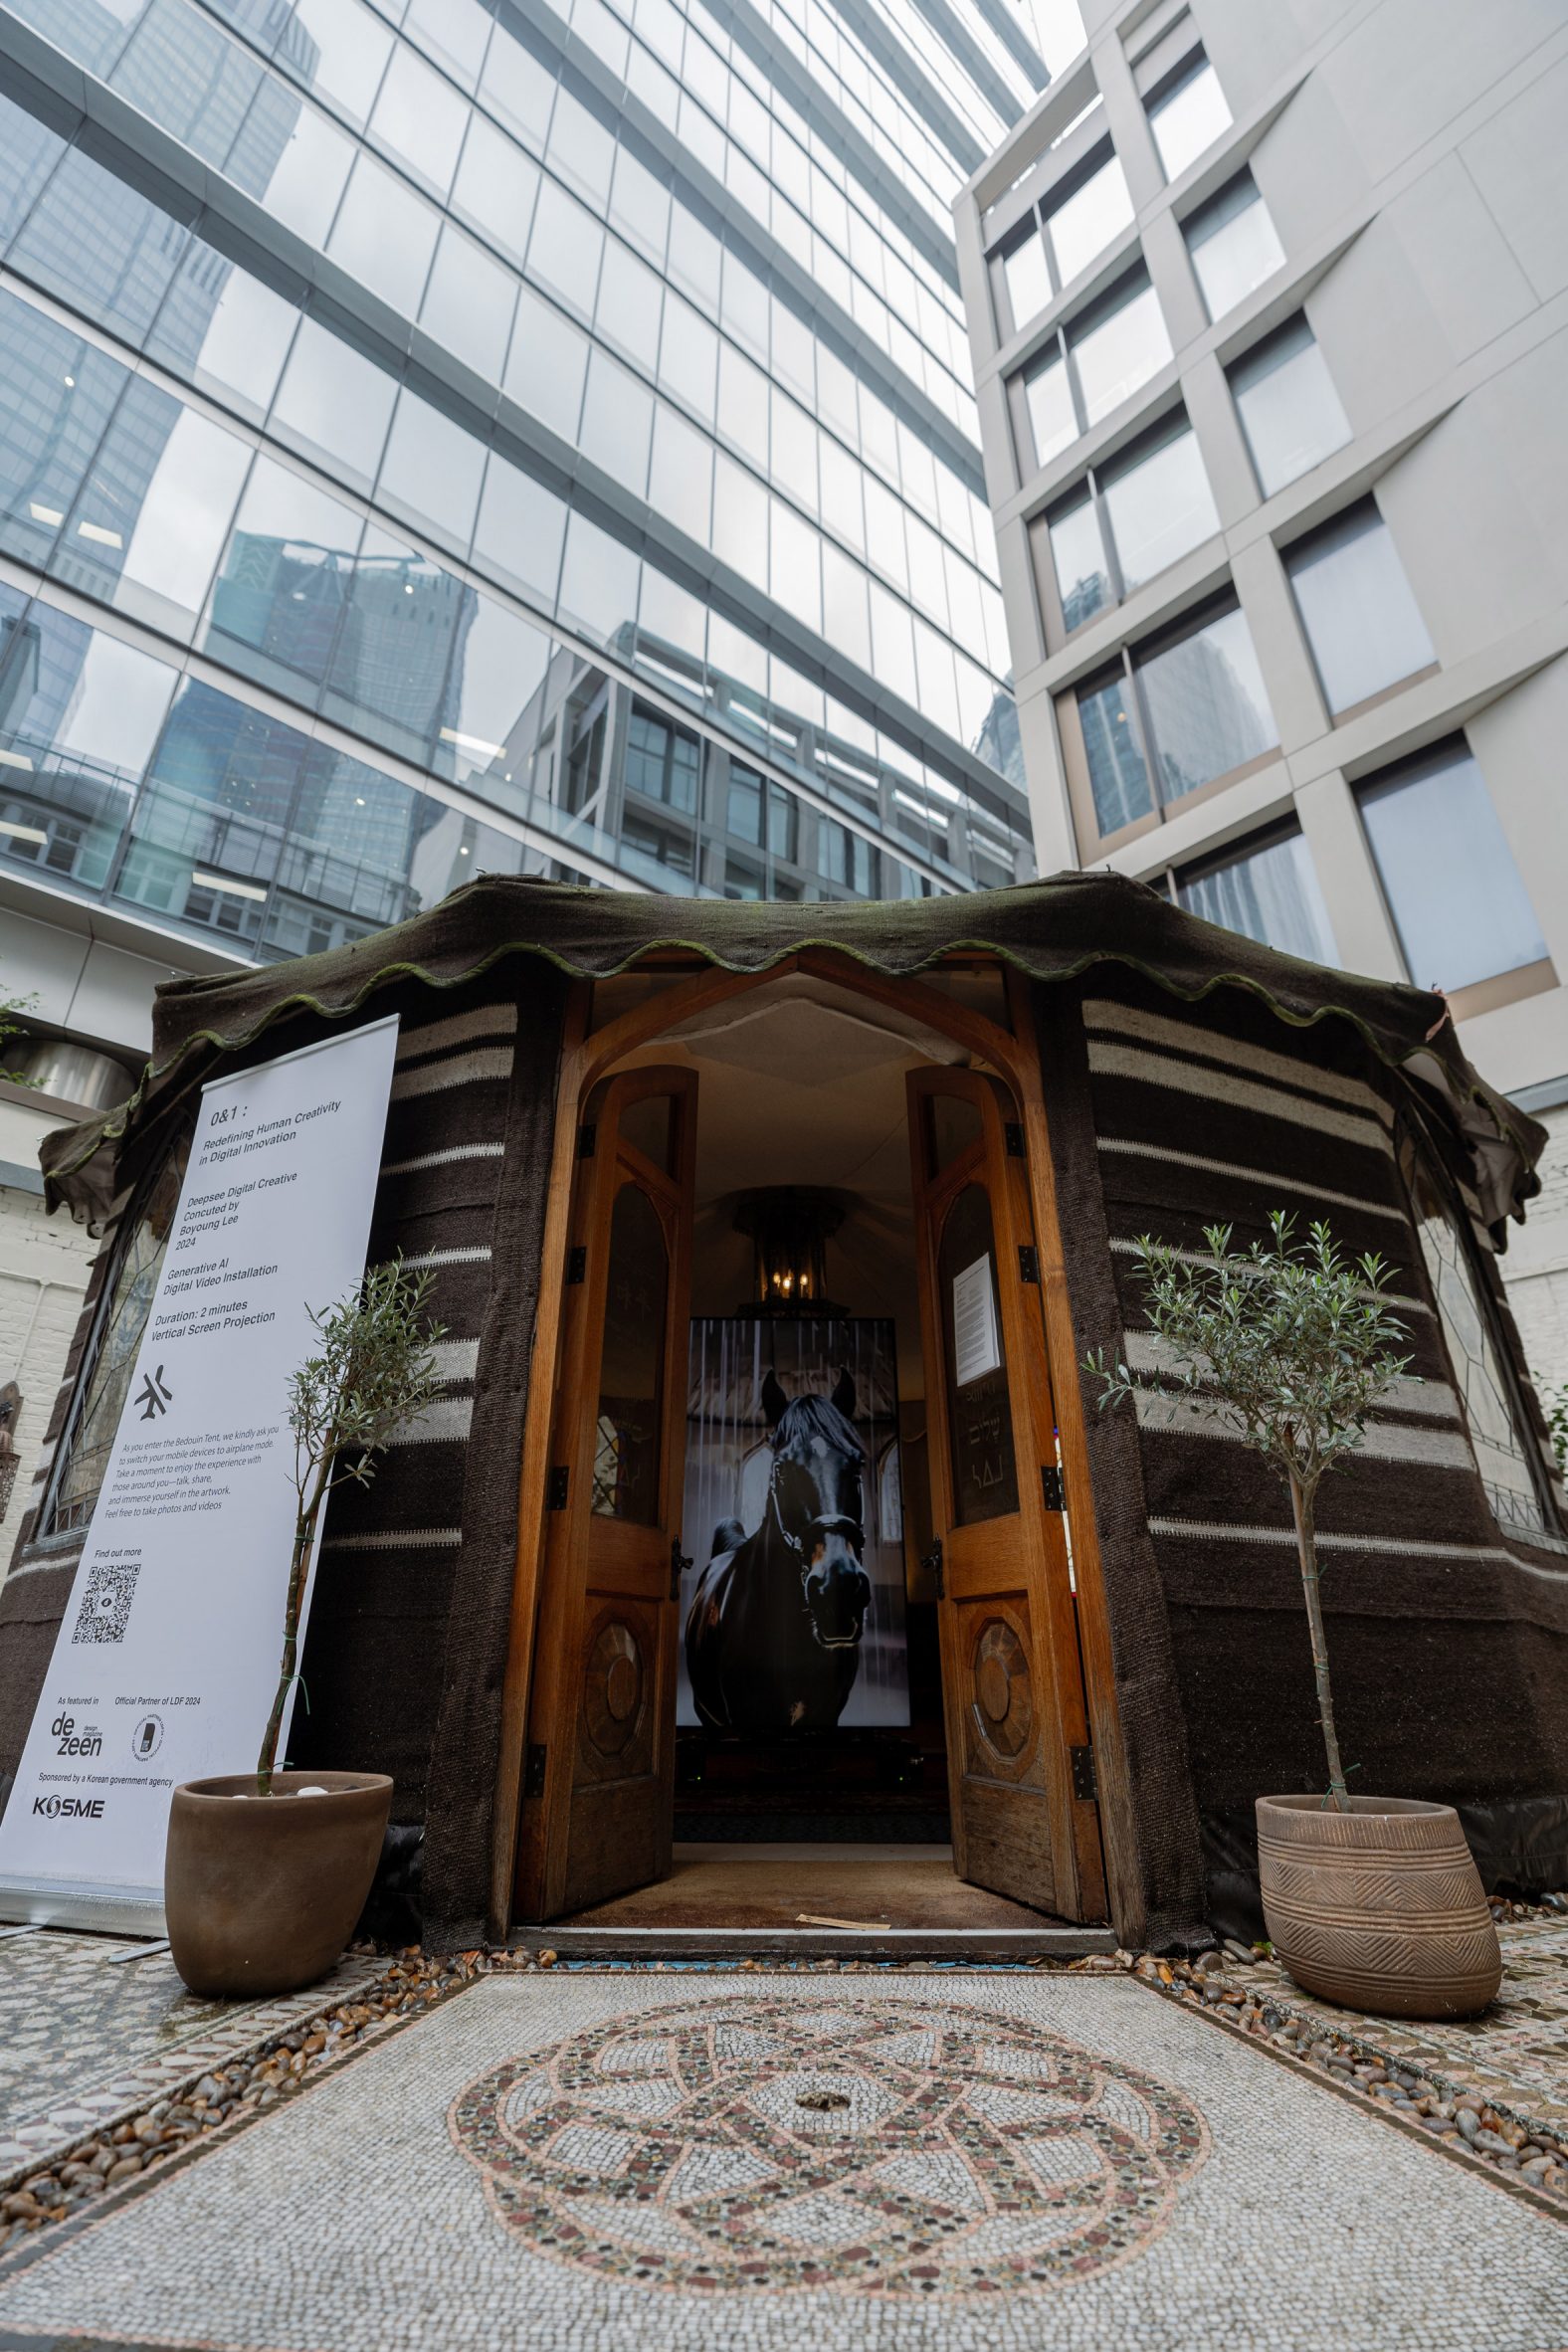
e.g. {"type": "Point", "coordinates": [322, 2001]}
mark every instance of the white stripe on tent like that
{"type": "Point", "coordinates": [398, 1539]}
{"type": "Point", "coordinates": [1386, 1441]}
{"type": "Point", "coordinates": [1184, 1037]}
{"type": "Point", "coordinates": [1392, 1546]}
{"type": "Point", "coordinates": [445, 1420]}
{"type": "Point", "coordinates": [1182, 1078]}
{"type": "Point", "coordinates": [463, 1069]}
{"type": "Point", "coordinates": [445, 1158]}
{"type": "Point", "coordinates": [1196, 1159]}
{"type": "Point", "coordinates": [1433, 1400]}
{"type": "Point", "coordinates": [438, 1036]}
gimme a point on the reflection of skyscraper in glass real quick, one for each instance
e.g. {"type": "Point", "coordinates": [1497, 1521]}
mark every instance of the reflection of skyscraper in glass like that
{"type": "Point", "coordinates": [1205, 720]}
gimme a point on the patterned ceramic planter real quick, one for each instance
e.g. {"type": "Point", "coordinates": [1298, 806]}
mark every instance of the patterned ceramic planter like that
{"type": "Point", "coordinates": [1379, 1908]}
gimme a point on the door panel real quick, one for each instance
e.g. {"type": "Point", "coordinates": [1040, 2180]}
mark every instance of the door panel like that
{"type": "Point", "coordinates": [598, 1800]}
{"type": "Point", "coordinates": [1012, 1682]}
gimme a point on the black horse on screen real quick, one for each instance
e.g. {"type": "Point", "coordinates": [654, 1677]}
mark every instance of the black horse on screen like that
{"type": "Point", "coordinates": [774, 1628]}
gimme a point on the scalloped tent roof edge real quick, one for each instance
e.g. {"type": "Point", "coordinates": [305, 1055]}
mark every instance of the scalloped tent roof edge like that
{"type": "Point", "coordinates": [1054, 929]}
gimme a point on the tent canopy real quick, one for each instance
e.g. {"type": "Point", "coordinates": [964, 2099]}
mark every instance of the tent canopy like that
{"type": "Point", "coordinates": [1052, 930]}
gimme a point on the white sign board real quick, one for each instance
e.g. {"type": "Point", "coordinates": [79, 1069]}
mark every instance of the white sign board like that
{"type": "Point", "coordinates": [166, 1659]}
{"type": "Point", "coordinates": [976, 1348]}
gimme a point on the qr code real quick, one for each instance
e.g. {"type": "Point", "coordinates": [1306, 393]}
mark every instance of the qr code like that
{"type": "Point", "coordinates": [106, 1605]}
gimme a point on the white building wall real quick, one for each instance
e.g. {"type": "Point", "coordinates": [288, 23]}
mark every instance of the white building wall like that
{"type": "Point", "coordinates": [1412, 158]}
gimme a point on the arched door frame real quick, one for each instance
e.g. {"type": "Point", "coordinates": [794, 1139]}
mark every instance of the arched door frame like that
{"type": "Point", "coordinates": [587, 1056]}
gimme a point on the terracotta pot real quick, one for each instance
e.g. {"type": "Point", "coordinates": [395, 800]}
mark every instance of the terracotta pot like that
{"type": "Point", "coordinates": [1378, 1908]}
{"type": "Point", "coordinates": [260, 1894]}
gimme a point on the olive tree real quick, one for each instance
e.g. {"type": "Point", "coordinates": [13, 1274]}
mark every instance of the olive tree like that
{"type": "Point", "coordinates": [374, 1371]}
{"type": "Point", "coordinates": [1291, 1344]}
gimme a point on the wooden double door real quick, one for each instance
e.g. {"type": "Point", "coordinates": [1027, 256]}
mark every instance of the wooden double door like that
{"type": "Point", "coordinates": [598, 1791]}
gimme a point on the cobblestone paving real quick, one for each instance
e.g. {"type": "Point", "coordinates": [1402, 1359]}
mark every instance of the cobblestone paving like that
{"type": "Point", "coordinates": [87, 2035]}
{"type": "Point", "coordinates": [905, 2163]}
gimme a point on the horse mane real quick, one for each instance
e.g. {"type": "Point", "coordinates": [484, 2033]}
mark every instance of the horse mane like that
{"type": "Point", "coordinates": [818, 1417]}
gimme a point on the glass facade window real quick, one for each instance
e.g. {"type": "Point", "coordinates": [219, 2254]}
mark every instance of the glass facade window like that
{"type": "Point", "coordinates": [1363, 625]}
{"type": "Point", "coordinates": [1027, 275]}
{"type": "Point", "coordinates": [1133, 517]}
{"type": "Point", "coordinates": [1179, 714]}
{"type": "Point", "coordinates": [1117, 347]}
{"type": "Point", "coordinates": [1187, 113]}
{"type": "Point", "coordinates": [1102, 358]}
{"type": "Point", "coordinates": [1065, 233]}
{"type": "Point", "coordinates": [1232, 244]}
{"type": "Point", "coordinates": [1083, 224]}
{"type": "Point", "coordinates": [1158, 504]}
{"type": "Point", "coordinates": [1458, 903]}
{"type": "Point", "coordinates": [1267, 890]}
{"type": "Point", "coordinates": [1289, 410]}
{"type": "Point", "coordinates": [832, 497]}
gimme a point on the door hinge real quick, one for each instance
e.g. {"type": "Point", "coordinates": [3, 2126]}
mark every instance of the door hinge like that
{"type": "Point", "coordinates": [533, 1771]}
{"type": "Point", "coordinates": [577, 1263]}
{"type": "Point", "coordinates": [1013, 1138]}
{"type": "Point", "coordinates": [1085, 1782]}
{"type": "Point", "coordinates": [933, 1564]}
{"type": "Point", "coordinates": [587, 1138]}
{"type": "Point", "coordinates": [680, 1562]}
{"type": "Point", "coordinates": [557, 1487]}
{"type": "Point", "coordinates": [1028, 1263]}
{"type": "Point", "coordinates": [1054, 1485]}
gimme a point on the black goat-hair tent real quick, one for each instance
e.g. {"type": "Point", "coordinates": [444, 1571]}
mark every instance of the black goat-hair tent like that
{"type": "Point", "coordinates": [1190, 1075]}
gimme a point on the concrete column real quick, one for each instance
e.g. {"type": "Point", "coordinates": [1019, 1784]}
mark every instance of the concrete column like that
{"type": "Point", "coordinates": [1283, 656]}
{"type": "Point", "coordinates": [1363, 932]}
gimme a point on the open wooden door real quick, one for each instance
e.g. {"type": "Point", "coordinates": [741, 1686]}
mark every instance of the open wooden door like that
{"type": "Point", "coordinates": [599, 1775]}
{"type": "Point", "coordinates": [1020, 1768]}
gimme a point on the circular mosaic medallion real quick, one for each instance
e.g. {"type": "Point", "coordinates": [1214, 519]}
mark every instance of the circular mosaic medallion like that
{"type": "Point", "coordinates": [900, 2147]}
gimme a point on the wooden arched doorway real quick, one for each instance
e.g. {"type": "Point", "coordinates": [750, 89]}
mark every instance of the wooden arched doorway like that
{"type": "Point", "coordinates": [1038, 1791]}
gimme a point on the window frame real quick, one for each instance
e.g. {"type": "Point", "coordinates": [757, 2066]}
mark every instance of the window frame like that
{"type": "Point", "coordinates": [1413, 1148]}
{"type": "Point", "coordinates": [1059, 348]}
{"type": "Point", "coordinates": [1145, 445]}
{"type": "Point", "coordinates": [1239, 851]}
{"type": "Point", "coordinates": [1126, 663]}
{"type": "Point", "coordinates": [1322, 532]}
{"type": "Point", "coordinates": [1035, 222]}
{"type": "Point", "coordinates": [1210, 205]}
{"type": "Point", "coordinates": [1492, 989]}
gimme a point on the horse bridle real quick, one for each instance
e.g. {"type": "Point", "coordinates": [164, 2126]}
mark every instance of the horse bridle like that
{"type": "Point", "coordinates": [822, 1524]}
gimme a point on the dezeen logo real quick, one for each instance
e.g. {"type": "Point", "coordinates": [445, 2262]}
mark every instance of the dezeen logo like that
{"type": "Point", "coordinates": [69, 1807]}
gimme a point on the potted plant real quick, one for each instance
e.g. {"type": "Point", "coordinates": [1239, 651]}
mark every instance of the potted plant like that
{"type": "Point", "coordinates": [1372, 1902]}
{"type": "Point", "coordinates": [267, 1871]}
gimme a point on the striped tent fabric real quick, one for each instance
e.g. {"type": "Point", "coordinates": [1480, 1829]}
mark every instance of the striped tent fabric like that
{"type": "Point", "coordinates": [1190, 1077]}
{"type": "Point", "coordinates": [1447, 1619]}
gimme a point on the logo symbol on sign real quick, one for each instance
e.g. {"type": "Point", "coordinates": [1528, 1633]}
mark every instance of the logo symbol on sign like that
{"type": "Point", "coordinates": [154, 1395]}
{"type": "Point", "coordinates": [148, 1738]}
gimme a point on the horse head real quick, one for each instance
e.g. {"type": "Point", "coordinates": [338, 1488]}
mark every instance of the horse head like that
{"type": "Point", "coordinates": [815, 1497]}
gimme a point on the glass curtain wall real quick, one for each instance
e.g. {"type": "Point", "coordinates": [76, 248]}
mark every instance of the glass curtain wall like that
{"type": "Point", "coordinates": [643, 392]}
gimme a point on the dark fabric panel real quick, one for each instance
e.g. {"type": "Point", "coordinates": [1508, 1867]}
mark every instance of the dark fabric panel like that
{"type": "Point", "coordinates": [1052, 930]}
{"type": "Point", "coordinates": [1447, 1643]}
{"type": "Point", "coordinates": [461, 1811]}
{"type": "Point", "coordinates": [1153, 1733]}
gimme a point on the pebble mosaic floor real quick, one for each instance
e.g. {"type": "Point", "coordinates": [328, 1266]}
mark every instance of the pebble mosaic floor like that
{"type": "Point", "coordinates": [87, 2035]}
{"type": "Point", "coordinates": [893, 2163]}
{"type": "Point", "coordinates": [1516, 2052]}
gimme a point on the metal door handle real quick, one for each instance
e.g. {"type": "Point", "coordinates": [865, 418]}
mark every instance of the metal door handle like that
{"type": "Point", "coordinates": [933, 1564]}
{"type": "Point", "coordinates": [679, 1564]}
